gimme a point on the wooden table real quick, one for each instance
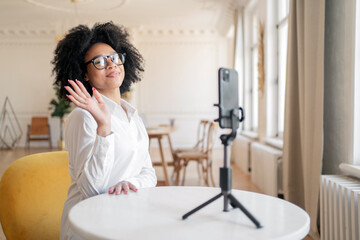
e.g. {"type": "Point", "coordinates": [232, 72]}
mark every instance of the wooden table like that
{"type": "Point", "coordinates": [158, 133]}
{"type": "Point", "coordinates": [155, 213]}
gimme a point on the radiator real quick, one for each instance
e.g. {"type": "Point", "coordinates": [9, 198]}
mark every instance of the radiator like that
{"type": "Point", "coordinates": [266, 168]}
{"type": "Point", "coordinates": [240, 153]}
{"type": "Point", "coordinates": [339, 208]}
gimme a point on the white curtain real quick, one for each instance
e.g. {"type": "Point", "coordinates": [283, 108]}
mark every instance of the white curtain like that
{"type": "Point", "coordinates": [303, 133]}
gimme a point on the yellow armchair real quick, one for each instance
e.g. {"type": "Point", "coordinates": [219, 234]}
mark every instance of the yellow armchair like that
{"type": "Point", "coordinates": [33, 191]}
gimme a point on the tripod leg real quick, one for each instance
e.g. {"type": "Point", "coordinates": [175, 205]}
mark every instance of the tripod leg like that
{"type": "Point", "coordinates": [244, 210]}
{"type": "Point", "coordinates": [201, 206]}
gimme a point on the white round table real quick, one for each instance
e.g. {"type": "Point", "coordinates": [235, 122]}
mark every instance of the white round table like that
{"type": "Point", "coordinates": [156, 213]}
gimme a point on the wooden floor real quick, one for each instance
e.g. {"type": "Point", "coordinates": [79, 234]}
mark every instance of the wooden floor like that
{"type": "Point", "coordinates": [241, 180]}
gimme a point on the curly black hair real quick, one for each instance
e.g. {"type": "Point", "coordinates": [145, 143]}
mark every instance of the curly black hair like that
{"type": "Point", "coordinates": [70, 54]}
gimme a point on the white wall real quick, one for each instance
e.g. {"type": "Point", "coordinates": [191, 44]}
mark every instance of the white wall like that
{"type": "Point", "coordinates": [180, 79]}
{"type": "Point", "coordinates": [26, 79]}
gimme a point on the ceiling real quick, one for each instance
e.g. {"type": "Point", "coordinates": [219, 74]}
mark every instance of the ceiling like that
{"type": "Point", "coordinates": [59, 15]}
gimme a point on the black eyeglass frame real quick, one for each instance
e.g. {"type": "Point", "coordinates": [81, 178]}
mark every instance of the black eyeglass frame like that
{"type": "Point", "coordinates": [122, 57]}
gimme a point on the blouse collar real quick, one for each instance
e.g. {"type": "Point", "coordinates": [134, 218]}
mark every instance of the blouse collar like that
{"type": "Point", "coordinates": [130, 110]}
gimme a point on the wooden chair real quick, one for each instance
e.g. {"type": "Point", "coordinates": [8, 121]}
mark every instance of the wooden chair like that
{"type": "Point", "coordinates": [201, 132]}
{"type": "Point", "coordinates": [199, 146]}
{"type": "Point", "coordinates": [39, 130]}
{"type": "Point", "coordinates": [202, 156]}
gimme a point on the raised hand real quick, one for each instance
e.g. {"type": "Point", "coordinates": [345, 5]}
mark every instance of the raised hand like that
{"type": "Point", "coordinates": [97, 108]}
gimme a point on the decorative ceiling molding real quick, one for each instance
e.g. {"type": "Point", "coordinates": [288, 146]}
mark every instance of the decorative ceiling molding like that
{"type": "Point", "coordinates": [174, 32]}
{"type": "Point", "coordinates": [155, 32]}
{"type": "Point", "coordinates": [27, 32]}
{"type": "Point", "coordinates": [41, 42]}
{"type": "Point", "coordinates": [27, 37]}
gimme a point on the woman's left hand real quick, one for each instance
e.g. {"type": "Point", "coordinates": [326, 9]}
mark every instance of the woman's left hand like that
{"type": "Point", "coordinates": [122, 186]}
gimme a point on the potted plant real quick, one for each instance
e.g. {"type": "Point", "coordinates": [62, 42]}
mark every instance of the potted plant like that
{"type": "Point", "coordinates": [60, 107]}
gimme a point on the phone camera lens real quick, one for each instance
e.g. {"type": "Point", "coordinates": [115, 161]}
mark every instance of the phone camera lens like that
{"type": "Point", "coordinates": [226, 76]}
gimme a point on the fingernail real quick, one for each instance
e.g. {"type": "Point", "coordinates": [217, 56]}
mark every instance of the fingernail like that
{"type": "Point", "coordinates": [93, 88]}
{"type": "Point", "coordinates": [67, 96]}
{"type": "Point", "coordinates": [126, 191]}
{"type": "Point", "coordinates": [110, 191]}
{"type": "Point", "coordinates": [135, 190]}
{"type": "Point", "coordinates": [117, 192]}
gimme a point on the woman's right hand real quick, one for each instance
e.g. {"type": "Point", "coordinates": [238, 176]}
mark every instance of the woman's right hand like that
{"type": "Point", "coordinates": [97, 108]}
{"type": "Point", "coordinates": [122, 186]}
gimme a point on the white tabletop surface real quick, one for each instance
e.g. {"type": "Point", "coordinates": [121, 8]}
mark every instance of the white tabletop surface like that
{"type": "Point", "coordinates": [155, 213]}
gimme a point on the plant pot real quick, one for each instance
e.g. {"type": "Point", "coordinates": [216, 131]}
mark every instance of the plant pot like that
{"type": "Point", "coordinates": [61, 144]}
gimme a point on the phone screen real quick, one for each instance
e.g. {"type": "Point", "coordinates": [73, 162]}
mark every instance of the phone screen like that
{"type": "Point", "coordinates": [228, 96]}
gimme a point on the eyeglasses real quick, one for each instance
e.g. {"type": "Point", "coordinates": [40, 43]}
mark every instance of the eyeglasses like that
{"type": "Point", "coordinates": [101, 62]}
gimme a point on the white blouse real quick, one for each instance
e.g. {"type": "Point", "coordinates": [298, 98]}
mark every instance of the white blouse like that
{"type": "Point", "coordinates": [96, 163]}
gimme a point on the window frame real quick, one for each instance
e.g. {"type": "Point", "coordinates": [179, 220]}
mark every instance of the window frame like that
{"type": "Point", "coordinates": [356, 122]}
{"type": "Point", "coordinates": [281, 21]}
{"type": "Point", "coordinates": [250, 45]}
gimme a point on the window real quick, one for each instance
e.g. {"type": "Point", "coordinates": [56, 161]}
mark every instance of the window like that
{"type": "Point", "coordinates": [356, 140]}
{"type": "Point", "coordinates": [254, 75]}
{"type": "Point", "coordinates": [251, 105]}
{"type": "Point", "coordinates": [282, 34]}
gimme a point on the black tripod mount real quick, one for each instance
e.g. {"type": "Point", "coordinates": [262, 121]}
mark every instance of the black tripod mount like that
{"type": "Point", "coordinates": [226, 174]}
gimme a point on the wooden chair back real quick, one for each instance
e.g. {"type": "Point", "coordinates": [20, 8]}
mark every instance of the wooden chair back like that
{"type": "Point", "coordinates": [39, 130]}
{"type": "Point", "coordinates": [210, 137]}
{"type": "Point", "coordinates": [39, 126]}
{"type": "Point", "coordinates": [201, 135]}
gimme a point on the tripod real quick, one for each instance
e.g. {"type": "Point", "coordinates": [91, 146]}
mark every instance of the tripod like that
{"type": "Point", "coordinates": [226, 175]}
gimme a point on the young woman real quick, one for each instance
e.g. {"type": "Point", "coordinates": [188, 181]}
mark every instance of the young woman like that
{"type": "Point", "coordinates": [106, 139]}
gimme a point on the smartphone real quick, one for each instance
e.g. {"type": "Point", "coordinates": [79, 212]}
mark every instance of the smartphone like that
{"type": "Point", "coordinates": [228, 97]}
